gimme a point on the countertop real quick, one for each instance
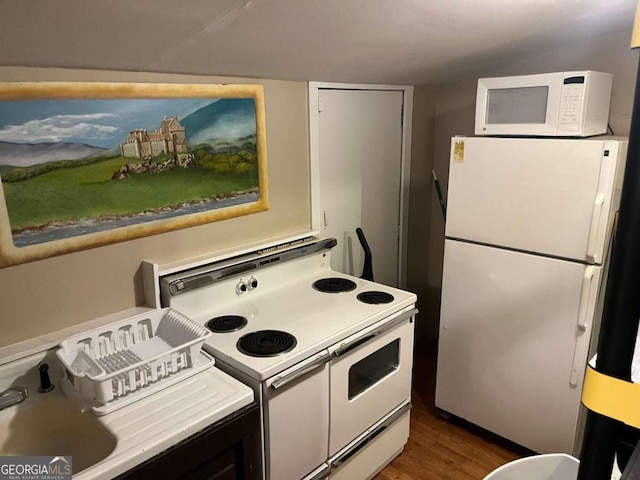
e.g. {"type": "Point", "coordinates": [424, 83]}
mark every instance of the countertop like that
{"type": "Point", "coordinates": [141, 430]}
{"type": "Point", "coordinates": [146, 428]}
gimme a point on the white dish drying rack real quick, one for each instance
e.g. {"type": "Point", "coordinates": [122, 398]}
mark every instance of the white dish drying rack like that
{"type": "Point", "coordinates": [113, 366]}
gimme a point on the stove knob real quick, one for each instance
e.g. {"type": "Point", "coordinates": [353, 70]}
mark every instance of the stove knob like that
{"type": "Point", "coordinates": [252, 283]}
{"type": "Point", "coordinates": [241, 287]}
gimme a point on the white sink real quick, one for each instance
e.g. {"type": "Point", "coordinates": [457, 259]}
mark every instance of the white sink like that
{"type": "Point", "coordinates": [50, 425]}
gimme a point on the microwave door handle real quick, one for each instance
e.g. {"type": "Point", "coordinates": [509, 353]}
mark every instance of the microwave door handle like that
{"type": "Point", "coordinates": [348, 346]}
{"type": "Point", "coordinates": [280, 382]}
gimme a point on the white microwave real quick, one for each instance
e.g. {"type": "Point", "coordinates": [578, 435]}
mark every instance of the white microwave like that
{"type": "Point", "coordinates": [560, 104]}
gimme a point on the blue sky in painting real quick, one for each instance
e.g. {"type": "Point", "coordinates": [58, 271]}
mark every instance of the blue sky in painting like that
{"type": "Point", "coordinates": [100, 123]}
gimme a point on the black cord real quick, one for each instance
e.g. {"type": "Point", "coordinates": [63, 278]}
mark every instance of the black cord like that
{"type": "Point", "coordinates": [610, 129]}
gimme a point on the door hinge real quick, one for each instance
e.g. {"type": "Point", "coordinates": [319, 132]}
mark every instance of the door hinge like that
{"type": "Point", "coordinates": [402, 115]}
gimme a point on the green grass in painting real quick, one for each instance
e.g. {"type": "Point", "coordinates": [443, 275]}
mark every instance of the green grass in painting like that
{"type": "Point", "coordinates": [88, 192]}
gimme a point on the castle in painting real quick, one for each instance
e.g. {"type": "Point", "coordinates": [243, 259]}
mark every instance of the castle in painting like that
{"type": "Point", "coordinates": [169, 138]}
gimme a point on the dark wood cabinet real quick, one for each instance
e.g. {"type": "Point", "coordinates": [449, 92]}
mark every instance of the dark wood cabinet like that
{"type": "Point", "coordinates": [227, 450]}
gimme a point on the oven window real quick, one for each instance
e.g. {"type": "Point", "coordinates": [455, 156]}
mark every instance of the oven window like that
{"type": "Point", "coordinates": [372, 369]}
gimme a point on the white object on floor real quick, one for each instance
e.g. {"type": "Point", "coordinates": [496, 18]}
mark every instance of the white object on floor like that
{"type": "Point", "coordinates": [553, 466]}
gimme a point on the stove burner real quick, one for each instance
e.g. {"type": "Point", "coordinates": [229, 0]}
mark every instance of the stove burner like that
{"type": "Point", "coordinates": [226, 323]}
{"type": "Point", "coordinates": [334, 285]}
{"type": "Point", "coordinates": [266, 343]}
{"type": "Point", "coordinates": [375, 298]}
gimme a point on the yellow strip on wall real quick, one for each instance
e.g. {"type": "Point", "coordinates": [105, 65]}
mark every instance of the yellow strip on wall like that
{"type": "Point", "coordinates": [612, 397]}
{"type": "Point", "coordinates": [635, 36]}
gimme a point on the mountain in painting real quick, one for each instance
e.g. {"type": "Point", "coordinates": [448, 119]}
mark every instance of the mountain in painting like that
{"type": "Point", "coordinates": [225, 121]}
{"type": "Point", "coordinates": [28, 154]}
{"type": "Point", "coordinates": [223, 124]}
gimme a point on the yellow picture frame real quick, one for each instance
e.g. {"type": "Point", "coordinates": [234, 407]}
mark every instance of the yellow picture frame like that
{"type": "Point", "coordinates": [189, 171]}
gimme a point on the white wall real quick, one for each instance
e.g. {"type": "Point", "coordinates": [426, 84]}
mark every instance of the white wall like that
{"type": "Point", "coordinates": [420, 214]}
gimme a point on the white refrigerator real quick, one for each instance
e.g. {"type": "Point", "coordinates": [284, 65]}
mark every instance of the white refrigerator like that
{"type": "Point", "coordinates": [528, 229]}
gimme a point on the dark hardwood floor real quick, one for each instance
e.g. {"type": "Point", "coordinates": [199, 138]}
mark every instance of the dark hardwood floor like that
{"type": "Point", "coordinates": [440, 449]}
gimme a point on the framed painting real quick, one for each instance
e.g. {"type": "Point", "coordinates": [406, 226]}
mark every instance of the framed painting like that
{"type": "Point", "coordinates": [89, 164]}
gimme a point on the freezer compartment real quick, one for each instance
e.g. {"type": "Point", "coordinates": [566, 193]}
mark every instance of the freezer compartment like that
{"type": "Point", "coordinates": [550, 196]}
{"type": "Point", "coordinates": [514, 340]}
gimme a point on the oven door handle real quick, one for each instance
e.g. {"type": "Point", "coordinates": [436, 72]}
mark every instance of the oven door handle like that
{"type": "Point", "coordinates": [280, 382]}
{"type": "Point", "coordinates": [348, 346]}
{"type": "Point", "coordinates": [370, 436]}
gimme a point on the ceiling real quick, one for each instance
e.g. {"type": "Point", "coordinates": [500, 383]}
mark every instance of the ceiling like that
{"type": "Point", "coordinates": [410, 42]}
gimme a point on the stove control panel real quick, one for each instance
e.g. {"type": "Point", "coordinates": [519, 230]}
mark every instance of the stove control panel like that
{"type": "Point", "coordinates": [182, 282]}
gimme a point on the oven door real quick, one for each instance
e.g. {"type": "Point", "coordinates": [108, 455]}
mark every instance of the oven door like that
{"type": "Point", "coordinates": [296, 414]}
{"type": "Point", "coordinates": [370, 376]}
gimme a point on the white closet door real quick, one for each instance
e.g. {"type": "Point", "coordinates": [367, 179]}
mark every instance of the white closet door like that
{"type": "Point", "coordinates": [360, 142]}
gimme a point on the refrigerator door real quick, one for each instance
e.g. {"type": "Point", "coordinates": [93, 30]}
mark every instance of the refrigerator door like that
{"type": "Point", "coordinates": [550, 196]}
{"type": "Point", "coordinates": [514, 338]}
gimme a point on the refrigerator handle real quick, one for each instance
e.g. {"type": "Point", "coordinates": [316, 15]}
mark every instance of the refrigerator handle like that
{"type": "Point", "coordinates": [595, 226]}
{"type": "Point", "coordinates": [582, 341]}
{"type": "Point", "coordinates": [583, 321]}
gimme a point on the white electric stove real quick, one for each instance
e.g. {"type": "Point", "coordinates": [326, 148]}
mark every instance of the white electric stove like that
{"type": "Point", "coordinates": [328, 355]}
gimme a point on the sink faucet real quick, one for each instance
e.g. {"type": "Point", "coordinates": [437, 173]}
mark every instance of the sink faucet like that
{"type": "Point", "coordinates": [45, 382]}
{"type": "Point", "coordinates": [13, 396]}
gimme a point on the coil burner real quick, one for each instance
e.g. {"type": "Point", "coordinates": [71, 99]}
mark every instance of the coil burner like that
{"type": "Point", "coordinates": [226, 323]}
{"type": "Point", "coordinates": [334, 285]}
{"type": "Point", "coordinates": [375, 297]}
{"type": "Point", "coordinates": [266, 343]}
